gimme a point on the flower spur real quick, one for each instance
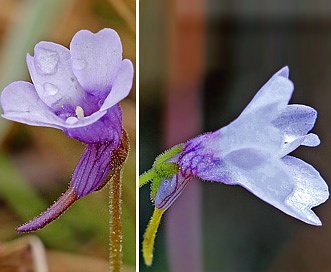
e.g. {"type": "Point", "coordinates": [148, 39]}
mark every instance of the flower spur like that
{"type": "Point", "coordinates": [252, 152]}
{"type": "Point", "coordinates": [77, 91]}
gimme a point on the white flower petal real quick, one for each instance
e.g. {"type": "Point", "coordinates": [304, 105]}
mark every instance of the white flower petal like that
{"type": "Point", "coordinates": [290, 185]}
{"type": "Point", "coordinates": [295, 121]}
{"type": "Point", "coordinates": [250, 152]}
{"type": "Point", "coordinates": [310, 139]}
{"type": "Point", "coordinates": [310, 190]}
{"type": "Point", "coordinates": [247, 132]}
{"type": "Point", "coordinates": [275, 94]}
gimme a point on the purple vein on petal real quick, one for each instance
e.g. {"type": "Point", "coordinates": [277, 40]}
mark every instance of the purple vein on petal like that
{"type": "Point", "coordinates": [92, 169]}
{"type": "Point", "coordinates": [52, 213]}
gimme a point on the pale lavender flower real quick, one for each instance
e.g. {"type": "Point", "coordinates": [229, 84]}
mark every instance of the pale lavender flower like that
{"type": "Point", "coordinates": [252, 151]}
{"type": "Point", "coordinates": [77, 91]}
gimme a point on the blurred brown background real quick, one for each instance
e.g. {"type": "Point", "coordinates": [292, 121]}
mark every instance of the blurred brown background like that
{"type": "Point", "coordinates": [36, 163]}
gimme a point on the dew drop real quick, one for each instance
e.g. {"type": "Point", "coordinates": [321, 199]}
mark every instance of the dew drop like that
{"type": "Point", "coordinates": [71, 120]}
{"type": "Point", "coordinates": [51, 89]}
{"type": "Point", "coordinates": [78, 64]}
{"type": "Point", "coordinates": [100, 103]}
{"type": "Point", "coordinates": [46, 61]}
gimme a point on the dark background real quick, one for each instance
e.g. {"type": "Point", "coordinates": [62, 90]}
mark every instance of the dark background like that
{"type": "Point", "coordinates": [246, 42]}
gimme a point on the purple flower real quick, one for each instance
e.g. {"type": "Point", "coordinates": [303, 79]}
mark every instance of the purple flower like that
{"type": "Point", "coordinates": [77, 91]}
{"type": "Point", "coordinates": [252, 151]}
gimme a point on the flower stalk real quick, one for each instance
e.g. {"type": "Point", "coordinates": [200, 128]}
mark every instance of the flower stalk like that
{"type": "Point", "coordinates": [115, 253]}
{"type": "Point", "coordinates": [150, 234]}
{"type": "Point", "coordinates": [115, 192]}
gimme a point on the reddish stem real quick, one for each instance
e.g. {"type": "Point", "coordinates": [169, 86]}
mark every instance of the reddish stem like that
{"type": "Point", "coordinates": [115, 223]}
{"type": "Point", "coordinates": [53, 212]}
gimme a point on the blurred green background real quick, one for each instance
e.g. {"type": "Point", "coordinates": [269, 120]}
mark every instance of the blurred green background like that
{"type": "Point", "coordinates": [36, 163]}
{"type": "Point", "coordinates": [246, 42]}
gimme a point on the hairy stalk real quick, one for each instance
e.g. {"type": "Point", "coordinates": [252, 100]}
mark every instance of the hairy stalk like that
{"type": "Point", "coordinates": [115, 223]}
{"type": "Point", "coordinates": [149, 237]}
{"type": "Point", "coordinates": [118, 158]}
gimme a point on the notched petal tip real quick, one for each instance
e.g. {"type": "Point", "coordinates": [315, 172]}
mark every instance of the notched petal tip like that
{"type": "Point", "coordinates": [95, 59]}
{"type": "Point", "coordinates": [52, 213]}
{"type": "Point", "coordinates": [310, 190]}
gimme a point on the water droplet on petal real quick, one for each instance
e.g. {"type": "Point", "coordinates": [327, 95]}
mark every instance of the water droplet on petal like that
{"type": "Point", "coordinates": [78, 64]}
{"type": "Point", "coordinates": [115, 52]}
{"type": "Point", "coordinates": [100, 103]}
{"type": "Point", "coordinates": [51, 89]}
{"type": "Point", "coordinates": [46, 61]}
{"type": "Point", "coordinates": [71, 120]}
